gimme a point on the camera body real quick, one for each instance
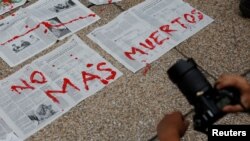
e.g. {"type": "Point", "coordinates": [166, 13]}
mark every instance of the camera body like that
{"type": "Point", "coordinates": [207, 100]}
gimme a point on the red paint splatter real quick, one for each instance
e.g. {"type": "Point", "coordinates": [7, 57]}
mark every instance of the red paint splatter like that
{"type": "Point", "coordinates": [147, 68]}
{"type": "Point", "coordinates": [13, 14]}
{"type": "Point", "coordinates": [89, 65]}
{"type": "Point", "coordinates": [48, 25]}
{"type": "Point", "coordinates": [45, 31]}
{"type": "Point", "coordinates": [66, 82]}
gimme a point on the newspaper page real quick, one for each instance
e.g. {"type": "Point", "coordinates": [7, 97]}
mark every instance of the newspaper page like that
{"type": "Point", "coordinates": [42, 91]}
{"type": "Point", "coordinates": [6, 7]}
{"type": "Point", "coordinates": [6, 133]}
{"type": "Point", "coordinates": [100, 2]}
{"type": "Point", "coordinates": [64, 16]}
{"type": "Point", "coordinates": [147, 31]}
{"type": "Point", "coordinates": [22, 37]}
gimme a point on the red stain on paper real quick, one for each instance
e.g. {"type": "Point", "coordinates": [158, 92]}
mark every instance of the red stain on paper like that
{"type": "Point", "coordinates": [48, 25]}
{"type": "Point", "coordinates": [89, 65]}
{"type": "Point", "coordinates": [45, 31]}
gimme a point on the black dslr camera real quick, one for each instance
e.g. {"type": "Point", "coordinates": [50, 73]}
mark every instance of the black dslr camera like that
{"type": "Point", "coordinates": [207, 100]}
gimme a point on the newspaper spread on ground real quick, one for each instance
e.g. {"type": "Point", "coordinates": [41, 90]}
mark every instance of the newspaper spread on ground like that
{"type": "Point", "coordinates": [100, 2]}
{"type": "Point", "coordinates": [41, 92]}
{"type": "Point", "coordinates": [147, 31]}
{"type": "Point", "coordinates": [22, 37]}
{"type": "Point", "coordinates": [33, 29]}
{"type": "Point", "coordinates": [6, 7]}
{"type": "Point", "coordinates": [67, 16]}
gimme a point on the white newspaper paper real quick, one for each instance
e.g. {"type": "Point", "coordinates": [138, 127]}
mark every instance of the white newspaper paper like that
{"type": "Point", "coordinates": [100, 2]}
{"type": "Point", "coordinates": [147, 31]}
{"type": "Point", "coordinates": [42, 91]}
{"type": "Point", "coordinates": [65, 16]}
{"type": "Point", "coordinates": [31, 30]}
{"type": "Point", "coordinates": [8, 7]}
{"type": "Point", "coordinates": [22, 37]}
{"type": "Point", "coordinates": [6, 133]}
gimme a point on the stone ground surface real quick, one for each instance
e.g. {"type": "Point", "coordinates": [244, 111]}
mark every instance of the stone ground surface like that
{"type": "Point", "coordinates": [130, 108]}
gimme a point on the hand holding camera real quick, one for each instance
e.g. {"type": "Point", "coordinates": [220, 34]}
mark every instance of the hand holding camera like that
{"type": "Point", "coordinates": [242, 85]}
{"type": "Point", "coordinates": [230, 94]}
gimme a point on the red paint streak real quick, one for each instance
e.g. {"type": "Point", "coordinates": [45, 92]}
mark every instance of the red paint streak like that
{"type": "Point", "coordinates": [147, 68]}
{"type": "Point", "coordinates": [113, 73]}
{"type": "Point", "coordinates": [77, 19]}
{"type": "Point", "coordinates": [110, 1]}
{"type": "Point", "coordinates": [66, 82]}
{"type": "Point", "coordinates": [48, 25]}
{"type": "Point", "coordinates": [26, 86]}
{"type": "Point", "coordinates": [89, 65]}
{"type": "Point", "coordinates": [89, 77]}
{"type": "Point", "coordinates": [34, 80]}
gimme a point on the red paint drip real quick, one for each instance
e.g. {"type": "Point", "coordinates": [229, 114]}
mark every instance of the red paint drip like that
{"type": "Point", "coordinates": [48, 25]}
{"type": "Point", "coordinates": [89, 65]}
{"type": "Point", "coordinates": [147, 68]}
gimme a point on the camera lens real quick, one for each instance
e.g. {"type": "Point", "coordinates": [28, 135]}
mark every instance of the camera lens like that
{"type": "Point", "coordinates": [189, 79]}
